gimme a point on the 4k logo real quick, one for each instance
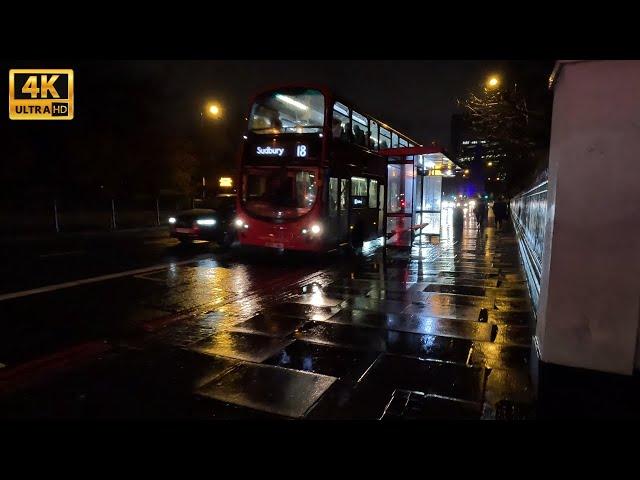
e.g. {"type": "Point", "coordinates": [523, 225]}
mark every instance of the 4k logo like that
{"type": "Point", "coordinates": [41, 94]}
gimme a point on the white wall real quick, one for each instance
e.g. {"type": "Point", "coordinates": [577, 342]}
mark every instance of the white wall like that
{"type": "Point", "coordinates": [589, 307]}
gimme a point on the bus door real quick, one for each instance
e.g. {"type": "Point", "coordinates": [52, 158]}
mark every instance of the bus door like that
{"type": "Point", "coordinates": [381, 199]}
{"type": "Point", "coordinates": [343, 211]}
{"type": "Point", "coordinates": [333, 226]}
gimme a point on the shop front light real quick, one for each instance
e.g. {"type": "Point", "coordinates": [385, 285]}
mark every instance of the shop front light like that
{"type": "Point", "coordinates": [207, 222]}
{"type": "Point", "coordinates": [172, 220]}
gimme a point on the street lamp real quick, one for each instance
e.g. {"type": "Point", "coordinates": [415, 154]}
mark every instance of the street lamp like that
{"type": "Point", "coordinates": [213, 110]}
{"type": "Point", "coordinates": [493, 82]}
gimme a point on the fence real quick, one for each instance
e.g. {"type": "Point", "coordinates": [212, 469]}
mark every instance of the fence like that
{"type": "Point", "coordinates": [529, 213]}
{"type": "Point", "coordinates": [48, 215]}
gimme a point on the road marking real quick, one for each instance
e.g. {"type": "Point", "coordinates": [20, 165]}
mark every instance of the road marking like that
{"type": "Point", "coordinates": [101, 278]}
{"type": "Point", "coordinates": [151, 279]}
{"type": "Point", "coordinates": [59, 254]}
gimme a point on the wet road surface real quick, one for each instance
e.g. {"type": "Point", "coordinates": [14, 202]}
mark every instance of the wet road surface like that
{"type": "Point", "coordinates": [442, 331]}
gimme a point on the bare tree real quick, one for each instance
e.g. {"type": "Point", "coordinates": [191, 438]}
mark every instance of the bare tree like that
{"type": "Point", "coordinates": [501, 117]}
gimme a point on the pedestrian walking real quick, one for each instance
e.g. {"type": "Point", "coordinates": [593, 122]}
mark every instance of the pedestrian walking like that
{"type": "Point", "coordinates": [500, 211]}
{"type": "Point", "coordinates": [481, 211]}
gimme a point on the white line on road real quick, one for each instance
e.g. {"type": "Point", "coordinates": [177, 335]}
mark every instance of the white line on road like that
{"type": "Point", "coordinates": [59, 254]}
{"type": "Point", "coordinates": [101, 278]}
{"type": "Point", "coordinates": [144, 277]}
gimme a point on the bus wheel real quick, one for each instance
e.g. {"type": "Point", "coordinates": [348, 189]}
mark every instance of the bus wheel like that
{"type": "Point", "coordinates": [227, 240]}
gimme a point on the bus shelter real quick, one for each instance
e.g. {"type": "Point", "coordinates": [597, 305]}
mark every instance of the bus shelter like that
{"type": "Point", "coordinates": [414, 193]}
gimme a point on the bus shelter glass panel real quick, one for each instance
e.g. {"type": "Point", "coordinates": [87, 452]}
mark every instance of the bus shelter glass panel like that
{"type": "Point", "coordinates": [400, 188]}
{"type": "Point", "coordinates": [429, 200]}
{"type": "Point", "coordinates": [432, 193]}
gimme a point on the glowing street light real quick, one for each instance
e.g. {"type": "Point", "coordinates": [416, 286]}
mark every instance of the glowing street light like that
{"type": "Point", "coordinates": [493, 82]}
{"type": "Point", "coordinates": [213, 110]}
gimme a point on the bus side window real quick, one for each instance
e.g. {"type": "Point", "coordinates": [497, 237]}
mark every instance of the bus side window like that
{"type": "Point", "coordinates": [373, 135]}
{"type": "Point", "coordinates": [359, 191]}
{"type": "Point", "coordinates": [373, 194]}
{"type": "Point", "coordinates": [385, 138]}
{"type": "Point", "coordinates": [341, 126]}
{"type": "Point", "coordinates": [360, 128]}
{"type": "Point", "coordinates": [333, 196]}
{"type": "Point", "coordinates": [344, 195]}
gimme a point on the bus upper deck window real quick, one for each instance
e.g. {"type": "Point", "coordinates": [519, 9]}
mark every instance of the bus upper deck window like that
{"type": "Point", "coordinates": [360, 128]}
{"type": "Point", "coordinates": [288, 111]}
{"type": "Point", "coordinates": [373, 135]}
{"type": "Point", "coordinates": [341, 126]}
{"type": "Point", "coordinates": [394, 140]}
{"type": "Point", "coordinates": [385, 138]}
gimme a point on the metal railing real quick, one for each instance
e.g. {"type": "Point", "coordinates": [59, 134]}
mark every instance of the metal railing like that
{"type": "Point", "coordinates": [529, 214]}
{"type": "Point", "coordinates": [81, 214]}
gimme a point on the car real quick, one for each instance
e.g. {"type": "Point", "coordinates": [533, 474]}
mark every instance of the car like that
{"type": "Point", "coordinates": [213, 221]}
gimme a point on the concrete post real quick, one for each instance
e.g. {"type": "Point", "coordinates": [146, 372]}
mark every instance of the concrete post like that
{"type": "Point", "coordinates": [589, 307]}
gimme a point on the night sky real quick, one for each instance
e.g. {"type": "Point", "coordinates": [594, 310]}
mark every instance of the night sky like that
{"type": "Point", "coordinates": [416, 97]}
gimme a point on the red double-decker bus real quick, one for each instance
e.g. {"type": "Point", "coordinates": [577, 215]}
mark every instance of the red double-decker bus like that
{"type": "Point", "coordinates": [310, 175]}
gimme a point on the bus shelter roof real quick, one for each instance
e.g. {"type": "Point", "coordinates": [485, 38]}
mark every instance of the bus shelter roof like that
{"type": "Point", "coordinates": [434, 156]}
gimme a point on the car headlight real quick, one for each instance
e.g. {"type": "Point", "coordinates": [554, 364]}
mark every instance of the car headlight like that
{"type": "Point", "coordinates": [172, 219]}
{"type": "Point", "coordinates": [206, 222]}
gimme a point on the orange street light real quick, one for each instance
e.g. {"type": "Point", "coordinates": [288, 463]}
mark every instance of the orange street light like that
{"type": "Point", "coordinates": [493, 82]}
{"type": "Point", "coordinates": [214, 110]}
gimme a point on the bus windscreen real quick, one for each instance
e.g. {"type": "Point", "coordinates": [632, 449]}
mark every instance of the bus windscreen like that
{"type": "Point", "coordinates": [297, 111]}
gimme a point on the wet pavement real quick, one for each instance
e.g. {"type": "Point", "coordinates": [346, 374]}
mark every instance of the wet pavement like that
{"type": "Point", "coordinates": [438, 332]}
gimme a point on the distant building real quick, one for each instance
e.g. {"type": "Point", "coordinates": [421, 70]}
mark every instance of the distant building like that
{"type": "Point", "coordinates": [479, 159]}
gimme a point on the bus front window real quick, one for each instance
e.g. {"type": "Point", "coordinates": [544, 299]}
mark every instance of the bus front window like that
{"type": "Point", "coordinates": [279, 193]}
{"type": "Point", "coordinates": [300, 111]}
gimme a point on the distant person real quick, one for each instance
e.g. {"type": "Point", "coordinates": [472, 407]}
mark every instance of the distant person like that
{"type": "Point", "coordinates": [336, 128]}
{"type": "Point", "coordinates": [500, 211]}
{"type": "Point", "coordinates": [276, 124]}
{"type": "Point", "coordinates": [346, 133]}
{"type": "Point", "coordinates": [481, 211]}
{"type": "Point", "coordinates": [359, 135]}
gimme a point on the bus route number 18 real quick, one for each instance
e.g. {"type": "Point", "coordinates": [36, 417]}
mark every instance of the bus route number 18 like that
{"type": "Point", "coordinates": [301, 151]}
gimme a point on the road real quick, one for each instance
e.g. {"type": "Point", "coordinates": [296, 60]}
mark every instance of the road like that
{"type": "Point", "coordinates": [62, 291]}
{"type": "Point", "coordinates": [134, 325]}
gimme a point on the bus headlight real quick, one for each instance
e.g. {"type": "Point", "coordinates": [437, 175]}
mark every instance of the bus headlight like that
{"type": "Point", "coordinates": [172, 220]}
{"type": "Point", "coordinates": [239, 223]}
{"type": "Point", "coordinates": [209, 222]}
{"type": "Point", "coordinates": [315, 229]}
